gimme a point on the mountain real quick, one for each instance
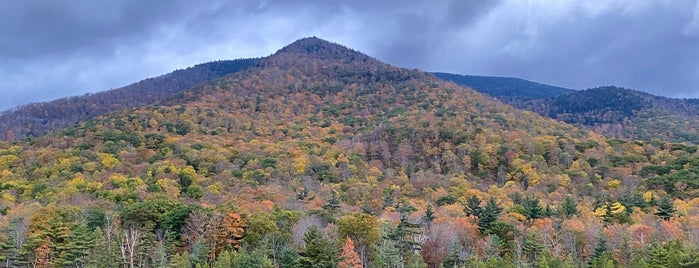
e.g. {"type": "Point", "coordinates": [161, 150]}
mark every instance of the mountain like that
{"type": "Point", "coordinates": [37, 119]}
{"type": "Point", "coordinates": [318, 146]}
{"type": "Point", "coordinates": [611, 111]}
{"type": "Point", "coordinates": [506, 88]}
{"type": "Point", "coordinates": [624, 113]}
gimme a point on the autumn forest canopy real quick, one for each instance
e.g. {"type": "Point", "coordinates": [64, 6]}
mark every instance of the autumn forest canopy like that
{"type": "Point", "coordinates": [321, 156]}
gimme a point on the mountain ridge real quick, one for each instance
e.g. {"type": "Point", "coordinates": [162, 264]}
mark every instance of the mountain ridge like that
{"type": "Point", "coordinates": [611, 111]}
{"type": "Point", "coordinates": [505, 87]}
{"type": "Point", "coordinates": [36, 119]}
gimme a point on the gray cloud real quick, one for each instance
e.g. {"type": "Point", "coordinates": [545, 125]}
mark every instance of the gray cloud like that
{"type": "Point", "coordinates": [50, 49]}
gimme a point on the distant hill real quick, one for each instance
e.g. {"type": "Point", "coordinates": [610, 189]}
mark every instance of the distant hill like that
{"type": "Point", "coordinates": [506, 88]}
{"type": "Point", "coordinates": [612, 111]}
{"type": "Point", "coordinates": [623, 113]}
{"type": "Point", "coordinates": [38, 118]}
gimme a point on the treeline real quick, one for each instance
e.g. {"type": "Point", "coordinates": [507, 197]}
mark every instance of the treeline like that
{"type": "Point", "coordinates": [37, 119]}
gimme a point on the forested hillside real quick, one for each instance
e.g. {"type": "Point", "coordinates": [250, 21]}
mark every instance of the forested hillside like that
{"type": "Point", "coordinates": [39, 118]}
{"type": "Point", "coordinates": [611, 111]}
{"type": "Point", "coordinates": [320, 156]}
{"type": "Point", "coordinates": [506, 88]}
{"type": "Point", "coordinates": [623, 113]}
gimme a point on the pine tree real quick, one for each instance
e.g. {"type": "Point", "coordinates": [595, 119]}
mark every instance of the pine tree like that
{"type": "Point", "coordinates": [331, 209]}
{"type": "Point", "coordinates": [666, 210]}
{"type": "Point", "coordinates": [75, 250]}
{"type": "Point", "coordinates": [533, 247]}
{"type": "Point", "coordinates": [533, 208]}
{"type": "Point", "coordinates": [489, 214]}
{"type": "Point", "coordinates": [473, 206]}
{"type": "Point", "coordinates": [333, 204]}
{"type": "Point", "coordinates": [600, 256]}
{"type": "Point", "coordinates": [200, 253]}
{"type": "Point", "coordinates": [404, 233]}
{"type": "Point", "coordinates": [415, 261]}
{"type": "Point", "coordinates": [256, 258]}
{"type": "Point", "coordinates": [569, 207]}
{"type": "Point", "coordinates": [429, 217]}
{"type": "Point", "coordinates": [548, 211]}
{"type": "Point", "coordinates": [180, 261]}
{"type": "Point", "coordinates": [290, 258]}
{"type": "Point", "coordinates": [350, 258]}
{"type": "Point", "coordinates": [319, 252]}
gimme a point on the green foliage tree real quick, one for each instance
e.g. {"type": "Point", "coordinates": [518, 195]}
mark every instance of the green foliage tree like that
{"type": "Point", "coordinates": [290, 258]}
{"type": "Point", "coordinates": [666, 209]}
{"type": "Point", "coordinates": [473, 206]}
{"type": "Point", "coordinates": [318, 252]}
{"type": "Point", "coordinates": [569, 207]}
{"type": "Point", "coordinates": [429, 217]}
{"type": "Point", "coordinates": [403, 235]}
{"type": "Point", "coordinates": [180, 261]}
{"type": "Point", "coordinates": [601, 256]}
{"type": "Point", "coordinates": [489, 214]}
{"type": "Point", "coordinates": [671, 254]}
{"type": "Point", "coordinates": [533, 248]}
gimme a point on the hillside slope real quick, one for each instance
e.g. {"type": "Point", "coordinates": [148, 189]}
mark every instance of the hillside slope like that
{"type": "Point", "coordinates": [37, 119]}
{"type": "Point", "coordinates": [279, 164]}
{"type": "Point", "coordinates": [624, 113]}
{"type": "Point", "coordinates": [611, 111]}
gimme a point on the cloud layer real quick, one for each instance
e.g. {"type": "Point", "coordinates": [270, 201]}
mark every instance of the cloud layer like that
{"type": "Point", "coordinates": [50, 50]}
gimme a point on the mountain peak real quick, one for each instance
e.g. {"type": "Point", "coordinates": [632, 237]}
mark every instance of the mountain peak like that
{"type": "Point", "coordinates": [311, 45]}
{"type": "Point", "coordinates": [318, 48]}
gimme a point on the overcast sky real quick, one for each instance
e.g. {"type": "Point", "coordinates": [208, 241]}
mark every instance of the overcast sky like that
{"type": "Point", "coordinates": [51, 49]}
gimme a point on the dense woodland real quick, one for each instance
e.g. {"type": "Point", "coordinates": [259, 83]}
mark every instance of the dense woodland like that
{"type": "Point", "coordinates": [320, 156]}
{"type": "Point", "coordinates": [37, 119]}
{"type": "Point", "coordinates": [611, 111]}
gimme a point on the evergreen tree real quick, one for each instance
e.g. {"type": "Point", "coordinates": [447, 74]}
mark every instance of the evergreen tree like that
{"type": "Point", "coordinates": [319, 252]}
{"type": "Point", "coordinates": [415, 261]}
{"type": "Point", "coordinates": [473, 206]}
{"type": "Point", "coordinates": [333, 204]}
{"type": "Point", "coordinates": [429, 217]}
{"type": "Point", "coordinates": [454, 259]}
{"type": "Point", "coordinates": [533, 208]}
{"type": "Point", "coordinates": [548, 211]}
{"type": "Point", "coordinates": [200, 253]}
{"type": "Point", "coordinates": [671, 254]}
{"type": "Point", "coordinates": [569, 207]}
{"type": "Point", "coordinates": [601, 257]}
{"type": "Point", "coordinates": [290, 258]}
{"type": "Point", "coordinates": [331, 209]}
{"type": "Point", "coordinates": [666, 210]}
{"type": "Point", "coordinates": [75, 251]}
{"type": "Point", "coordinates": [507, 233]}
{"type": "Point", "coordinates": [14, 251]}
{"type": "Point", "coordinates": [180, 261]}
{"type": "Point", "coordinates": [404, 233]}
{"type": "Point", "coordinates": [533, 246]}
{"type": "Point", "coordinates": [489, 214]}
{"type": "Point", "coordinates": [388, 254]}
{"type": "Point", "coordinates": [254, 259]}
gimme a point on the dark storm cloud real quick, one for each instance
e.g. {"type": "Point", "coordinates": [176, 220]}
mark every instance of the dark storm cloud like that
{"type": "Point", "coordinates": [645, 45]}
{"type": "Point", "coordinates": [47, 28]}
{"type": "Point", "coordinates": [51, 49]}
